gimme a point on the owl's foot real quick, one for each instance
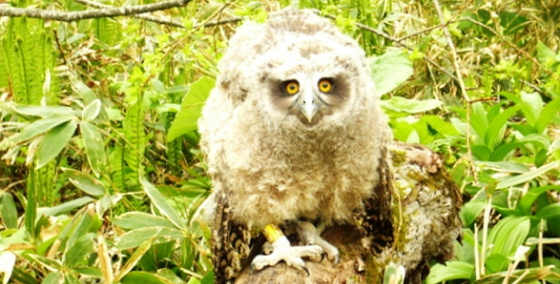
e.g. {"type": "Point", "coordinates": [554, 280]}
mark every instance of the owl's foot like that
{"type": "Point", "coordinates": [310, 235]}
{"type": "Point", "coordinates": [291, 255]}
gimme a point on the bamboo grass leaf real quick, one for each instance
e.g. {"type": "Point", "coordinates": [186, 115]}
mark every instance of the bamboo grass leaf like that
{"type": "Point", "coordinates": [94, 145]}
{"type": "Point", "coordinates": [91, 111]}
{"type": "Point", "coordinates": [515, 180]}
{"type": "Point", "coordinates": [85, 182]}
{"type": "Point", "coordinates": [54, 141]}
{"type": "Point", "coordinates": [160, 203]}
{"type": "Point", "coordinates": [35, 129]}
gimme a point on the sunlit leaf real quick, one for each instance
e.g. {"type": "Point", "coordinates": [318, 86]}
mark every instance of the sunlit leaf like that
{"type": "Point", "coordinates": [92, 110]}
{"type": "Point", "coordinates": [137, 220]}
{"type": "Point", "coordinates": [411, 106]}
{"type": "Point", "coordinates": [191, 108]}
{"type": "Point", "coordinates": [65, 207]}
{"type": "Point", "coordinates": [54, 141]}
{"type": "Point", "coordinates": [143, 277]}
{"type": "Point", "coordinates": [136, 237]}
{"type": "Point", "coordinates": [390, 70]}
{"type": "Point", "coordinates": [160, 203]}
{"type": "Point", "coordinates": [34, 129]}
{"type": "Point", "coordinates": [450, 271]}
{"type": "Point", "coordinates": [515, 180]}
{"type": "Point", "coordinates": [94, 145]}
{"type": "Point", "coordinates": [85, 182]}
{"type": "Point", "coordinates": [8, 210]}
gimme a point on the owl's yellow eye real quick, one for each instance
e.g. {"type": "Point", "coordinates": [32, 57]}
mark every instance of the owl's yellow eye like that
{"type": "Point", "coordinates": [292, 87]}
{"type": "Point", "coordinates": [325, 85]}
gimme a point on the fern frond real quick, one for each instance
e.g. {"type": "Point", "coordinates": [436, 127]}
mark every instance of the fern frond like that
{"type": "Point", "coordinates": [135, 136]}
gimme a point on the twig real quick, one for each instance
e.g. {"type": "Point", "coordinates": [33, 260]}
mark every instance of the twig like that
{"type": "Point", "coordinates": [399, 42]}
{"type": "Point", "coordinates": [461, 86]}
{"type": "Point", "coordinates": [140, 16]}
{"type": "Point", "coordinates": [89, 14]}
{"type": "Point", "coordinates": [512, 45]}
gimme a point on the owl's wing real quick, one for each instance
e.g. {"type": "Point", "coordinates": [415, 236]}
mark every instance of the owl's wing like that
{"type": "Point", "coordinates": [232, 243]}
{"type": "Point", "coordinates": [423, 207]}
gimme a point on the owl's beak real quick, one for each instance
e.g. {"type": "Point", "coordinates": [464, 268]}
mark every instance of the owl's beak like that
{"type": "Point", "coordinates": [308, 105]}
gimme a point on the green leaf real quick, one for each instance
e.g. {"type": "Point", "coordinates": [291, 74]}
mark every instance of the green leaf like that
{"type": "Point", "coordinates": [535, 103]}
{"type": "Point", "coordinates": [508, 235]}
{"type": "Point", "coordinates": [137, 220]}
{"type": "Point", "coordinates": [65, 207]}
{"type": "Point", "coordinates": [552, 210]}
{"type": "Point", "coordinates": [136, 237]}
{"type": "Point", "coordinates": [390, 70]}
{"type": "Point", "coordinates": [410, 106]}
{"type": "Point", "coordinates": [450, 271]}
{"type": "Point", "coordinates": [76, 254]}
{"type": "Point", "coordinates": [94, 145]}
{"type": "Point", "coordinates": [529, 198]}
{"type": "Point", "coordinates": [85, 182]}
{"type": "Point", "coordinates": [547, 114]}
{"type": "Point", "coordinates": [528, 176]}
{"type": "Point", "coordinates": [54, 278]}
{"type": "Point", "coordinates": [135, 277]}
{"type": "Point", "coordinates": [545, 54]}
{"type": "Point", "coordinates": [134, 258]}
{"type": "Point", "coordinates": [92, 110]}
{"type": "Point", "coordinates": [8, 210]}
{"type": "Point", "coordinates": [470, 211]}
{"type": "Point", "coordinates": [160, 203]}
{"type": "Point", "coordinates": [54, 141]}
{"type": "Point", "coordinates": [191, 108]}
{"type": "Point", "coordinates": [34, 129]}
{"type": "Point", "coordinates": [497, 125]}
{"type": "Point", "coordinates": [42, 111]}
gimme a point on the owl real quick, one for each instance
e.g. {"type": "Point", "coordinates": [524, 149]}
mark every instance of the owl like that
{"type": "Point", "coordinates": [295, 142]}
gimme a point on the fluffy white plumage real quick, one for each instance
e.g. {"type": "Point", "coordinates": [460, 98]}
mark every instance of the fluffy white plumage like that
{"type": "Point", "coordinates": [262, 152]}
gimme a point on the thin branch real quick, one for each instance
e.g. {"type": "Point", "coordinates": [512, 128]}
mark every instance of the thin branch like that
{"type": "Point", "coordinates": [457, 67]}
{"type": "Point", "coordinates": [399, 42]}
{"type": "Point", "coordinates": [140, 16]}
{"type": "Point", "coordinates": [89, 14]}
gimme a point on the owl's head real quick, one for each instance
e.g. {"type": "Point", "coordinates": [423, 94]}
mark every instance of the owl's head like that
{"type": "Point", "coordinates": [298, 69]}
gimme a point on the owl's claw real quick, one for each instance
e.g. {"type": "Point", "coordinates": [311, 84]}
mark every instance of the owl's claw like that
{"type": "Point", "coordinates": [312, 236]}
{"type": "Point", "coordinates": [291, 255]}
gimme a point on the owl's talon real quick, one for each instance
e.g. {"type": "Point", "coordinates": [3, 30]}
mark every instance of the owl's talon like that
{"type": "Point", "coordinates": [311, 235]}
{"type": "Point", "coordinates": [291, 255]}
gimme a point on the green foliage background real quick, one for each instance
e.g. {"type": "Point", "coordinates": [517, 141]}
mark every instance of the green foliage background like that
{"type": "Point", "coordinates": [101, 173]}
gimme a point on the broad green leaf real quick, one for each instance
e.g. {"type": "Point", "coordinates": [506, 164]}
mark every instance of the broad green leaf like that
{"type": "Point", "coordinates": [54, 141]}
{"type": "Point", "coordinates": [479, 123]}
{"type": "Point", "coordinates": [535, 106]}
{"type": "Point", "coordinates": [552, 210]}
{"type": "Point", "coordinates": [504, 167]}
{"type": "Point", "coordinates": [390, 70]}
{"type": "Point", "coordinates": [545, 54]}
{"type": "Point", "coordinates": [66, 206]}
{"type": "Point", "coordinates": [77, 253]}
{"type": "Point", "coordinates": [496, 128]}
{"type": "Point", "coordinates": [134, 258]}
{"type": "Point", "coordinates": [529, 198]}
{"type": "Point", "coordinates": [547, 114]}
{"type": "Point", "coordinates": [8, 210]}
{"type": "Point", "coordinates": [528, 176]}
{"type": "Point", "coordinates": [497, 262]}
{"type": "Point", "coordinates": [94, 145]}
{"type": "Point", "coordinates": [43, 111]}
{"type": "Point", "coordinates": [508, 235]}
{"type": "Point", "coordinates": [191, 108]}
{"type": "Point", "coordinates": [411, 106]}
{"type": "Point", "coordinates": [70, 278]}
{"type": "Point", "coordinates": [35, 129]}
{"type": "Point", "coordinates": [91, 111]}
{"type": "Point", "coordinates": [83, 90]}
{"type": "Point", "coordinates": [84, 220]}
{"type": "Point", "coordinates": [159, 202]}
{"type": "Point", "coordinates": [450, 271]}
{"type": "Point", "coordinates": [137, 220]}
{"type": "Point", "coordinates": [54, 278]}
{"type": "Point", "coordinates": [136, 237]}
{"type": "Point", "coordinates": [85, 182]}
{"type": "Point", "coordinates": [143, 277]}
{"type": "Point", "coordinates": [470, 211]}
